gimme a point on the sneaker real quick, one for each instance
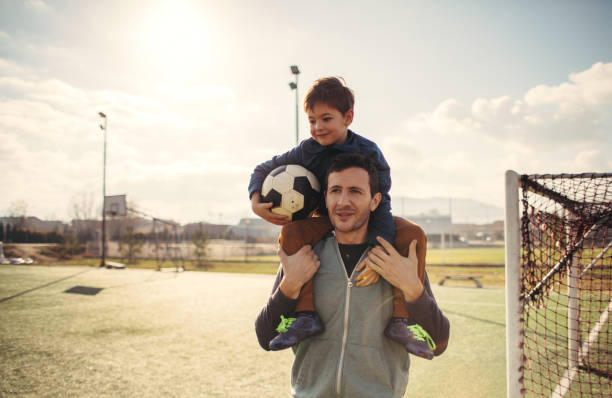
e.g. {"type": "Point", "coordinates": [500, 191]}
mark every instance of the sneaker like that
{"type": "Point", "coordinates": [413, 337]}
{"type": "Point", "coordinates": [294, 330]}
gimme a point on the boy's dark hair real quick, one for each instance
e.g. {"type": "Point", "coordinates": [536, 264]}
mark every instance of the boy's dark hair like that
{"type": "Point", "coordinates": [331, 91]}
{"type": "Point", "coordinates": [352, 159]}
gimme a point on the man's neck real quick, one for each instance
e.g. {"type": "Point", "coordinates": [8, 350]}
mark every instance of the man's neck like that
{"type": "Point", "coordinates": [352, 237]}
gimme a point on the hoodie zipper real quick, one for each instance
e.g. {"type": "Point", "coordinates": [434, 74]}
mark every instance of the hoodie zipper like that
{"type": "Point", "coordinates": [349, 285]}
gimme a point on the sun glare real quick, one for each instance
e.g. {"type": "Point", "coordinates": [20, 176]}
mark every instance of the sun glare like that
{"type": "Point", "coordinates": [178, 40]}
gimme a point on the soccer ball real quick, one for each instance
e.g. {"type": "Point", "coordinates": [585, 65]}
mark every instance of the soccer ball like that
{"type": "Point", "coordinates": [294, 190]}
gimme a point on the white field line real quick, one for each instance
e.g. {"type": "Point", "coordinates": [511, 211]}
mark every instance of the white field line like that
{"type": "Point", "coordinates": [471, 303]}
{"type": "Point", "coordinates": [596, 259]}
{"type": "Point", "coordinates": [569, 375]}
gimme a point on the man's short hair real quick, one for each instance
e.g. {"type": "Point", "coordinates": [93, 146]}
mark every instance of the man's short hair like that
{"type": "Point", "coordinates": [331, 91]}
{"type": "Point", "coordinates": [352, 159]}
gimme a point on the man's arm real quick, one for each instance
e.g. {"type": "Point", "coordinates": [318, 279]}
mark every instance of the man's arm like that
{"type": "Point", "coordinates": [402, 272]}
{"type": "Point", "coordinates": [426, 313]}
{"type": "Point", "coordinates": [278, 304]}
{"type": "Point", "coordinates": [293, 273]}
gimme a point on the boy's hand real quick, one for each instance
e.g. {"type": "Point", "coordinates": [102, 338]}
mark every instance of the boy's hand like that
{"type": "Point", "coordinates": [368, 276]}
{"type": "Point", "coordinates": [263, 211]}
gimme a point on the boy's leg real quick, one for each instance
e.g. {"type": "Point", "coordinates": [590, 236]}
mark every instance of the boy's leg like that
{"type": "Point", "coordinates": [306, 323]}
{"type": "Point", "coordinates": [296, 235]}
{"type": "Point", "coordinates": [400, 328]}
{"type": "Point", "coordinates": [406, 232]}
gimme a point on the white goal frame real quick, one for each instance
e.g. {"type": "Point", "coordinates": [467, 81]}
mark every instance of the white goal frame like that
{"type": "Point", "coordinates": [515, 303]}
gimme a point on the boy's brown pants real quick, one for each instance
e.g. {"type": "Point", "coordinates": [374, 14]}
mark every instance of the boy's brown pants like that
{"type": "Point", "coordinates": [309, 231]}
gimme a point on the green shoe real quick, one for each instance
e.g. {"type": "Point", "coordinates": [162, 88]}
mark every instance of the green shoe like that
{"type": "Point", "coordinates": [413, 337]}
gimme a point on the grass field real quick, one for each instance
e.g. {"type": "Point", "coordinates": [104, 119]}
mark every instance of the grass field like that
{"type": "Point", "coordinates": [464, 255]}
{"type": "Point", "coordinates": [546, 346]}
{"type": "Point", "coordinates": [154, 333]}
{"type": "Point", "coordinates": [486, 265]}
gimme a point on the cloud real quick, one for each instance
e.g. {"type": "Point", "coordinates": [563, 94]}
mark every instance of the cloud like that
{"type": "Point", "coordinates": [169, 150]}
{"type": "Point", "coordinates": [574, 111]}
{"type": "Point", "coordinates": [185, 152]}
{"type": "Point", "coordinates": [590, 87]}
{"type": "Point", "coordinates": [38, 5]}
{"type": "Point", "coordinates": [460, 149]}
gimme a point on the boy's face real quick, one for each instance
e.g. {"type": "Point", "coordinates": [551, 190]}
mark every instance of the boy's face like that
{"type": "Point", "coordinates": [327, 124]}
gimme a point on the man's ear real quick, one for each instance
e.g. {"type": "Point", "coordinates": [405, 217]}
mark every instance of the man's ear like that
{"type": "Point", "coordinates": [375, 201]}
{"type": "Point", "coordinates": [348, 117]}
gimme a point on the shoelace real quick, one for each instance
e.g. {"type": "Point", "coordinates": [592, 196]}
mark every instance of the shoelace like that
{"type": "Point", "coordinates": [284, 324]}
{"type": "Point", "coordinates": [421, 335]}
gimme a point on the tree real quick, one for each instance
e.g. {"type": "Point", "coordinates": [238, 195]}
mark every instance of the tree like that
{"type": "Point", "coordinates": [9, 233]}
{"type": "Point", "coordinates": [71, 246]}
{"type": "Point", "coordinates": [1, 231]}
{"type": "Point", "coordinates": [82, 209]}
{"type": "Point", "coordinates": [82, 206]}
{"type": "Point", "coordinates": [200, 241]}
{"type": "Point", "coordinates": [130, 245]}
{"type": "Point", "coordinates": [18, 210]}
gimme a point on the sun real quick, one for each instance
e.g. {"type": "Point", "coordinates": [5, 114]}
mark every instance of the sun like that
{"type": "Point", "coordinates": [178, 40]}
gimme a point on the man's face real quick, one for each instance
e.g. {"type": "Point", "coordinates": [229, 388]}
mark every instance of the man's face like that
{"type": "Point", "coordinates": [349, 201]}
{"type": "Point", "coordinates": [328, 125]}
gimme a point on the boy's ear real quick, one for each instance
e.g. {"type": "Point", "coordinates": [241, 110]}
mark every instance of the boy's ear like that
{"type": "Point", "coordinates": [348, 117]}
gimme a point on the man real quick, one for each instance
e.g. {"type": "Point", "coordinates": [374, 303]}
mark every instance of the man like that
{"type": "Point", "coordinates": [351, 357]}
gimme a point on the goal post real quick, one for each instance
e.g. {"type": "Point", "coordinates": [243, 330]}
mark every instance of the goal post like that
{"type": "Point", "coordinates": [558, 235]}
{"type": "Point", "coordinates": [513, 275]}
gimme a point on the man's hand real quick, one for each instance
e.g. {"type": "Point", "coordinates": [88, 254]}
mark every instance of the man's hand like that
{"type": "Point", "coordinates": [263, 210]}
{"type": "Point", "coordinates": [401, 272]}
{"type": "Point", "coordinates": [297, 270]}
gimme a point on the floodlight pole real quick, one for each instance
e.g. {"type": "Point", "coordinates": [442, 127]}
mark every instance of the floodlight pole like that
{"type": "Point", "coordinates": [294, 86]}
{"type": "Point", "coordinates": [103, 128]}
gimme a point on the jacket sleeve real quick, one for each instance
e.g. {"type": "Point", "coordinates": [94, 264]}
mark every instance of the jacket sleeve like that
{"type": "Point", "coordinates": [293, 156]}
{"type": "Point", "coordinates": [426, 313]}
{"type": "Point", "coordinates": [381, 222]}
{"type": "Point", "coordinates": [269, 317]}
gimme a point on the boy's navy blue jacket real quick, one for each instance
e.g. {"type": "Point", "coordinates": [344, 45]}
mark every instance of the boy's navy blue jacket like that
{"type": "Point", "coordinates": [317, 158]}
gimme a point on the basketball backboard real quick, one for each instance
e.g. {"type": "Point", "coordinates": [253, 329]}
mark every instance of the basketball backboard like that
{"type": "Point", "coordinates": [115, 205]}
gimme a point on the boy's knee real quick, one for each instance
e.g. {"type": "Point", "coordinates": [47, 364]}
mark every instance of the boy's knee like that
{"type": "Point", "coordinates": [407, 231]}
{"type": "Point", "coordinates": [297, 234]}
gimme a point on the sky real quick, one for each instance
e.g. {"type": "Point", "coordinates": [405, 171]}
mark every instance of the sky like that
{"type": "Point", "coordinates": [196, 95]}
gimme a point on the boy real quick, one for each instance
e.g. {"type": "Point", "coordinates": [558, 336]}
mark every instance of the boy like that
{"type": "Point", "coordinates": [329, 106]}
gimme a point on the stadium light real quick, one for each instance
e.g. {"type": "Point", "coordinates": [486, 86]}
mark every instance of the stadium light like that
{"type": "Point", "coordinates": [103, 128]}
{"type": "Point", "coordinates": [294, 86]}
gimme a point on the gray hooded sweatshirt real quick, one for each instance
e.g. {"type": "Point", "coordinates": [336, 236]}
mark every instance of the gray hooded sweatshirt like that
{"type": "Point", "coordinates": [352, 357]}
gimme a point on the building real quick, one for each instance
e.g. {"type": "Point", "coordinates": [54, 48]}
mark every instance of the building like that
{"type": "Point", "coordinates": [35, 224]}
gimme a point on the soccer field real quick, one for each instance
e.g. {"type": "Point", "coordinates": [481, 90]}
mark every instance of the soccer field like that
{"type": "Point", "coordinates": [151, 333]}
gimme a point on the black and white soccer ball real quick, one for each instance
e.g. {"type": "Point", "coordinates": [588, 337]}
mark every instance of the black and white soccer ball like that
{"type": "Point", "coordinates": [294, 190]}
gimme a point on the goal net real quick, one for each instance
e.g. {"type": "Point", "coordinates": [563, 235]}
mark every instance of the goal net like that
{"type": "Point", "coordinates": [558, 285]}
